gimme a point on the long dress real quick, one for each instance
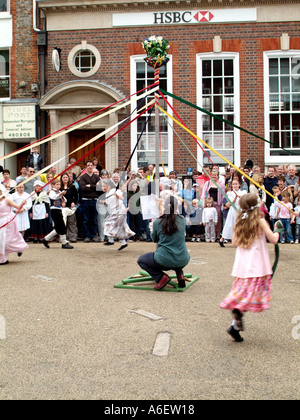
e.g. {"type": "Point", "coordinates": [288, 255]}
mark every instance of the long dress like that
{"type": "Point", "coordinates": [10, 238]}
{"type": "Point", "coordinates": [227, 232]}
{"type": "Point", "coordinates": [23, 217]}
{"type": "Point", "coordinates": [115, 223]}
{"type": "Point", "coordinates": [252, 287]}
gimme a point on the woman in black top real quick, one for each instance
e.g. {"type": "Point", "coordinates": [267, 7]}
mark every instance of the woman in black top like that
{"type": "Point", "coordinates": [71, 196]}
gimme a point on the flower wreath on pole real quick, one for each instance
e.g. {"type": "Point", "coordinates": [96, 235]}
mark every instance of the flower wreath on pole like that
{"type": "Point", "coordinates": [157, 49]}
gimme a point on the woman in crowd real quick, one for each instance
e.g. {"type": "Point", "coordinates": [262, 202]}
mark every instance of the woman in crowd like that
{"type": "Point", "coordinates": [210, 189]}
{"type": "Point", "coordinates": [171, 253]}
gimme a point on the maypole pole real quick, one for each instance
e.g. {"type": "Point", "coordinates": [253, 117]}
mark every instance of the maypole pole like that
{"type": "Point", "coordinates": [157, 49]}
{"type": "Point", "coordinates": [157, 156]}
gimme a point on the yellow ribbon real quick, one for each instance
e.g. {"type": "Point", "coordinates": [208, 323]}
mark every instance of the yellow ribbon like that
{"type": "Point", "coordinates": [222, 157]}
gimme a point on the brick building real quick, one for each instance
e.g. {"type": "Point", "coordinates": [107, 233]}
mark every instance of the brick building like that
{"type": "Point", "coordinates": [19, 80]}
{"type": "Point", "coordinates": [237, 59]}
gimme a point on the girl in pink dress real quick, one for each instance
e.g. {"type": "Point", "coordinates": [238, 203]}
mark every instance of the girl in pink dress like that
{"type": "Point", "coordinates": [251, 289]}
{"type": "Point", "coordinates": [10, 238]}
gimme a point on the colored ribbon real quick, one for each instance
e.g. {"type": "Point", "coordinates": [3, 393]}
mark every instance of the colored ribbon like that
{"type": "Point", "coordinates": [83, 122]}
{"type": "Point", "coordinates": [227, 122]}
{"type": "Point", "coordinates": [83, 157]}
{"type": "Point", "coordinates": [222, 157]}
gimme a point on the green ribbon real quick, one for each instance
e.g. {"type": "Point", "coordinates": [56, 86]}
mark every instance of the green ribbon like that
{"type": "Point", "coordinates": [226, 121]}
{"type": "Point", "coordinates": [279, 229]}
{"type": "Point", "coordinates": [203, 169]}
{"type": "Point", "coordinates": [279, 225]}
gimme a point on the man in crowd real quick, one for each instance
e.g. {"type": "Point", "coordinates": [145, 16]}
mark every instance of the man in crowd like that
{"type": "Point", "coordinates": [89, 196]}
{"type": "Point", "coordinates": [269, 182]}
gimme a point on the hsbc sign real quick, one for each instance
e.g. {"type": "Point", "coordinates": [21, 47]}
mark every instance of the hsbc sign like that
{"type": "Point", "coordinates": [186, 17]}
{"type": "Point", "coordinates": [182, 17]}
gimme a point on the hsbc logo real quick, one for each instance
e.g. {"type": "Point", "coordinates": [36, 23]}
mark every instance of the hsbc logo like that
{"type": "Point", "coordinates": [182, 17]}
{"type": "Point", "coordinates": [187, 17]}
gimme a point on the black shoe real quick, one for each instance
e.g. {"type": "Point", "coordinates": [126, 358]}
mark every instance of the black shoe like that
{"type": "Point", "coordinates": [235, 334]}
{"type": "Point", "coordinates": [238, 316]}
{"type": "Point", "coordinates": [221, 244]}
{"type": "Point", "coordinates": [108, 243]}
{"type": "Point", "coordinates": [45, 243]}
{"type": "Point", "coordinates": [6, 262]}
{"type": "Point", "coordinates": [19, 254]}
{"type": "Point", "coordinates": [67, 246]}
{"type": "Point", "coordinates": [122, 247]}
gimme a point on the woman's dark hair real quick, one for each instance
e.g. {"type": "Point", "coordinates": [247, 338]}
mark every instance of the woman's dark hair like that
{"type": "Point", "coordinates": [69, 184]}
{"type": "Point", "coordinates": [168, 219]}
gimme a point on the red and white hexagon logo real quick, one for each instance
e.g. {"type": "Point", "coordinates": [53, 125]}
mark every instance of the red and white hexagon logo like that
{"type": "Point", "coordinates": [204, 16]}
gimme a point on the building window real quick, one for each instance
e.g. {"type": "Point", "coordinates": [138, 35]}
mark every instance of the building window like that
{"type": "Point", "coordinates": [218, 93]}
{"type": "Point", "coordinates": [142, 75]}
{"type": "Point", "coordinates": [4, 5]}
{"type": "Point", "coordinates": [4, 74]}
{"type": "Point", "coordinates": [84, 60]}
{"type": "Point", "coordinates": [282, 106]}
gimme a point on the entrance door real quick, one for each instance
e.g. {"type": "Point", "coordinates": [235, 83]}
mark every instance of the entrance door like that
{"type": "Point", "coordinates": [78, 137]}
{"type": "Point", "coordinates": [22, 160]}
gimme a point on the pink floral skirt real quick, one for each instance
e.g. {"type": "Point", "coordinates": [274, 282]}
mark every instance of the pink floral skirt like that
{"type": "Point", "coordinates": [252, 294]}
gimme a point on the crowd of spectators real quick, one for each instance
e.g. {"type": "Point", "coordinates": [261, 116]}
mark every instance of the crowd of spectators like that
{"type": "Point", "coordinates": [207, 189]}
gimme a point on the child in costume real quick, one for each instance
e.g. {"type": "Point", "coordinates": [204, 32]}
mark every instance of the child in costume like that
{"type": "Point", "coordinates": [251, 289]}
{"type": "Point", "coordinates": [57, 203]}
{"type": "Point", "coordinates": [115, 225]}
{"type": "Point", "coordinates": [234, 196]}
{"type": "Point", "coordinates": [39, 213]}
{"type": "Point", "coordinates": [10, 238]}
{"type": "Point", "coordinates": [22, 216]}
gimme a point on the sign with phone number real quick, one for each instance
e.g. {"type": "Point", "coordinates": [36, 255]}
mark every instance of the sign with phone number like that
{"type": "Point", "coordinates": [19, 122]}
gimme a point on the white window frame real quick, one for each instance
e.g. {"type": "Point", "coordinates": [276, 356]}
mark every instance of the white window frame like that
{"type": "Point", "coordinates": [236, 80]}
{"type": "Point", "coordinates": [6, 98]}
{"type": "Point", "coordinates": [84, 46]}
{"type": "Point", "coordinates": [274, 160]}
{"type": "Point", "coordinates": [133, 133]}
{"type": "Point", "coordinates": [7, 12]}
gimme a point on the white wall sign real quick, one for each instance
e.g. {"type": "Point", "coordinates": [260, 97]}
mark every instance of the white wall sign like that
{"type": "Point", "coordinates": [56, 60]}
{"type": "Point", "coordinates": [19, 122]}
{"type": "Point", "coordinates": [185, 17]}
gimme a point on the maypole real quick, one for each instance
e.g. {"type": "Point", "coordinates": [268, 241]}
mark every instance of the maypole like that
{"type": "Point", "coordinates": [156, 49]}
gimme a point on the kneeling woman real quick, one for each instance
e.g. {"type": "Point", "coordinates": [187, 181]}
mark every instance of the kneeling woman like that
{"type": "Point", "coordinates": [171, 254]}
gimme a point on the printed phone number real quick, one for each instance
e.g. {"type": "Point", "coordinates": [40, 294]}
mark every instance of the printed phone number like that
{"type": "Point", "coordinates": [20, 135]}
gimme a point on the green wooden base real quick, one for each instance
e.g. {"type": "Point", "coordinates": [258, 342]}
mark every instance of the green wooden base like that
{"type": "Point", "coordinates": [143, 281]}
